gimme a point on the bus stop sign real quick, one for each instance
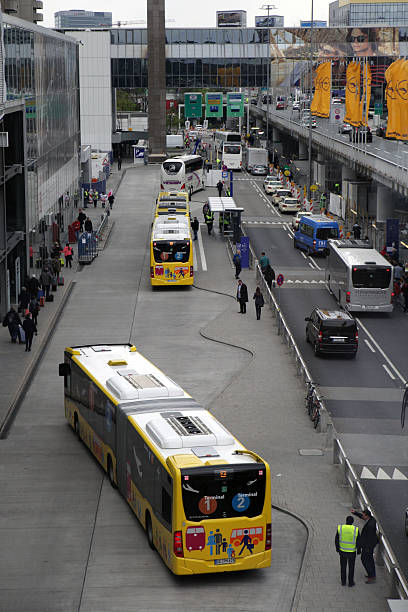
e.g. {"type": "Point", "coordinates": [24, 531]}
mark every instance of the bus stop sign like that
{"type": "Point", "coordinates": [279, 280]}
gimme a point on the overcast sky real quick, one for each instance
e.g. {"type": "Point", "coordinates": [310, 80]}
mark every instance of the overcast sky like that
{"type": "Point", "coordinates": [189, 13]}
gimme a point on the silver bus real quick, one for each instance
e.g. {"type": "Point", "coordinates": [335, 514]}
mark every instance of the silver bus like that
{"type": "Point", "coordinates": [359, 277]}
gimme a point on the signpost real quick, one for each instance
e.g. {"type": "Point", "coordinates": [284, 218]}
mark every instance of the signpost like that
{"type": "Point", "coordinates": [193, 105]}
{"type": "Point", "coordinates": [244, 248]}
{"type": "Point", "coordinates": [213, 105]}
{"type": "Point", "coordinates": [313, 187]}
{"type": "Point", "coordinates": [279, 281]}
{"type": "Point", "coordinates": [235, 104]}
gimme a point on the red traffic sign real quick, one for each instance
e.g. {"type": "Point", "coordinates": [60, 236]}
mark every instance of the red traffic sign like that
{"type": "Point", "coordinates": [279, 280]}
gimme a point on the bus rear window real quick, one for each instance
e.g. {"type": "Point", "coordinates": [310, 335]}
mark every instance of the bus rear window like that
{"type": "Point", "coordinates": [223, 491]}
{"type": "Point", "coordinates": [171, 252]}
{"type": "Point", "coordinates": [232, 149]}
{"type": "Point", "coordinates": [371, 277]}
{"type": "Point", "coordinates": [172, 167]}
{"type": "Point", "coordinates": [324, 233]}
{"type": "Point", "coordinates": [234, 137]}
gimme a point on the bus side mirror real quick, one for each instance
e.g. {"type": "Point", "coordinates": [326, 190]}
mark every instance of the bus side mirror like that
{"type": "Point", "coordinates": [64, 369]}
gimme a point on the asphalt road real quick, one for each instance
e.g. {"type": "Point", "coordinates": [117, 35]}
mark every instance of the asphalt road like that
{"type": "Point", "coordinates": [363, 395]}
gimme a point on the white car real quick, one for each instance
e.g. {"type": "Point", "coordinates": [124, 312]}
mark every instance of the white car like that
{"type": "Point", "coordinates": [298, 216]}
{"type": "Point", "coordinates": [289, 205]}
{"type": "Point", "coordinates": [281, 194]}
{"type": "Point", "coordinates": [272, 185]}
{"type": "Point", "coordinates": [336, 100]}
{"type": "Point", "coordinates": [296, 106]}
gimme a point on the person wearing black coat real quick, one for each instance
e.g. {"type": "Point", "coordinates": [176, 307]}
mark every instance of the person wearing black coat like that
{"type": "Point", "coordinates": [23, 299]}
{"type": "Point", "coordinates": [33, 285]}
{"type": "Point", "coordinates": [259, 302]}
{"type": "Point", "coordinates": [29, 328]}
{"type": "Point", "coordinates": [88, 225]}
{"type": "Point", "coordinates": [368, 542]}
{"type": "Point", "coordinates": [242, 296]}
{"type": "Point", "coordinates": [269, 275]}
{"type": "Point", "coordinates": [12, 321]}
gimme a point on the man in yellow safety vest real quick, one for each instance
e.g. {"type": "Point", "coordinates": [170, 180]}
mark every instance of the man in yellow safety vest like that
{"type": "Point", "coordinates": [347, 543]}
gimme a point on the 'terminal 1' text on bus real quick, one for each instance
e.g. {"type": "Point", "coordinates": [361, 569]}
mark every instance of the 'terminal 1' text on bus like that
{"type": "Point", "coordinates": [202, 497]}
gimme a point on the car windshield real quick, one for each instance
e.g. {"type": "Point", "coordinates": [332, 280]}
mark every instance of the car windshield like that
{"type": "Point", "coordinates": [283, 194]}
{"type": "Point", "coordinates": [172, 167]}
{"type": "Point", "coordinates": [339, 327]}
{"type": "Point", "coordinates": [324, 233]}
{"type": "Point", "coordinates": [291, 201]}
{"type": "Point", "coordinates": [223, 491]}
{"type": "Point", "coordinates": [371, 277]}
{"type": "Point", "coordinates": [170, 252]}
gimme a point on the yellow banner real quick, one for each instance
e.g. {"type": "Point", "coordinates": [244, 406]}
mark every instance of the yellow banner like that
{"type": "Point", "coordinates": [365, 98]}
{"type": "Point", "coordinates": [320, 106]}
{"type": "Point", "coordinates": [397, 100]}
{"type": "Point", "coordinates": [353, 111]}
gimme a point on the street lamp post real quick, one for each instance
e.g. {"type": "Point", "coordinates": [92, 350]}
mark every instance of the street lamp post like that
{"type": "Point", "coordinates": [268, 7]}
{"type": "Point", "coordinates": [310, 169]}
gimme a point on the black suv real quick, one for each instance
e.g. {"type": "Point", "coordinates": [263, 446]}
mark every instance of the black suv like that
{"type": "Point", "coordinates": [332, 332]}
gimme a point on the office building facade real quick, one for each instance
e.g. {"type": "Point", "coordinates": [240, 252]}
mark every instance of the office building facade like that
{"type": "Point", "coordinates": [82, 19]}
{"type": "Point", "coordinates": [346, 13]}
{"type": "Point", "coordinates": [23, 9]}
{"type": "Point", "coordinates": [40, 166]}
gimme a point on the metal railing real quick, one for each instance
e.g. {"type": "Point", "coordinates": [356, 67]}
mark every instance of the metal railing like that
{"type": "Point", "coordinates": [398, 585]}
{"type": "Point", "coordinates": [104, 222]}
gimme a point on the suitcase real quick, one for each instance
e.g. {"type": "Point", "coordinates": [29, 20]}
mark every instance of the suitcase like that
{"type": "Point", "coordinates": [40, 294]}
{"type": "Point", "coordinates": [22, 333]}
{"type": "Point", "coordinates": [49, 298]}
{"type": "Point", "coordinates": [53, 287]}
{"type": "Point", "coordinates": [61, 280]}
{"type": "Point", "coordinates": [41, 300]}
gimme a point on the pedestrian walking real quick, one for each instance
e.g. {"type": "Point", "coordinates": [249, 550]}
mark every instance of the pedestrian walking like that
{"type": "Point", "coordinates": [347, 543]}
{"type": "Point", "coordinates": [23, 300]}
{"type": "Point", "coordinates": [368, 541]}
{"type": "Point", "coordinates": [81, 219]}
{"type": "Point", "coordinates": [220, 187]}
{"type": "Point", "coordinates": [34, 309]}
{"type": "Point", "coordinates": [104, 199]}
{"type": "Point", "coordinates": [356, 231]}
{"type": "Point", "coordinates": [68, 255]}
{"type": "Point", "coordinates": [195, 227]}
{"type": "Point", "coordinates": [31, 254]}
{"type": "Point", "coordinates": [111, 199]}
{"type": "Point", "coordinates": [86, 198]}
{"type": "Point", "coordinates": [259, 302]}
{"type": "Point", "coordinates": [209, 221]}
{"type": "Point", "coordinates": [242, 296]}
{"type": "Point", "coordinates": [33, 285]}
{"type": "Point", "coordinates": [76, 199]}
{"type": "Point", "coordinates": [269, 275]}
{"type": "Point", "coordinates": [237, 263]}
{"type": "Point", "coordinates": [13, 322]}
{"type": "Point", "coordinates": [76, 226]}
{"type": "Point", "coordinates": [398, 271]}
{"type": "Point", "coordinates": [119, 162]}
{"type": "Point", "coordinates": [45, 280]}
{"type": "Point", "coordinates": [206, 208]}
{"type": "Point", "coordinates": [88, 225]}
{"type": "Point", "coordinates": [263, 261]}
{"type": "Point", "coordinates": [29, 329]}
{"type": "Point", "coordinates": [95, 197]}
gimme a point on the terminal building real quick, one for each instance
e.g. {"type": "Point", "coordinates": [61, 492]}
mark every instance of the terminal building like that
{"type": "Point", "coordinates": [40, 146]}
{"type": "Point", "coordinates": [350, 13]}
{"type": "Point", "coordinates": [82, 19]}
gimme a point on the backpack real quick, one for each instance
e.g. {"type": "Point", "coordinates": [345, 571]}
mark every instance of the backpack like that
{"type": "Point", "coordinates": [34, 306]}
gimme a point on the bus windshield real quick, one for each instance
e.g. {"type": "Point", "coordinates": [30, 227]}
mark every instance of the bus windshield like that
{"type": "Point", "coordinates": [371, 277]}
{"type": "Point", "coordinates": [234, 138]}
{"type": "Point", "coordinates": [324, 233]}
{"type": "Point", "coordinates": [232, 149]}
{"type": "Point", "coordinates": [172, 167]}
{"type": "Point", "coordinates": [223, 491]}
{"type": "Point", "coordinates": [171, 252]}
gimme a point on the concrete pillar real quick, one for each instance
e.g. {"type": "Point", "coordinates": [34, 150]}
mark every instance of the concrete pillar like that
{"type": "Point", "coordinates": [302, 150]}
{"type": "Point", "coordinates": [385, 205]}
{"type": "Point", "coordinates": [156, 44]}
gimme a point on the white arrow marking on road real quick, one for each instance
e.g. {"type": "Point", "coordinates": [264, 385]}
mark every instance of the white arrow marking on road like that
{"type": "Point", "coordinates": [306, 281]}
{"type": "Point", "coordinates": [314, 281]}
{"type": "Point", "coordinates": [297, 281]}
{"type": "Point", "coordinates": [366, 473]}
{"type": "Point", "coordinates": [397, 475]}
{"type": "Point", "coordinates": [289, 281]}
{"type": "Point", "coordinates": [381, 475]}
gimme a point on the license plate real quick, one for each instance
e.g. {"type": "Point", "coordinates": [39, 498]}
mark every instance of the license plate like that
{"type": "Point", "coordinates": [338, 339]}
{"type": "Point", "coordinates": [224, 561]}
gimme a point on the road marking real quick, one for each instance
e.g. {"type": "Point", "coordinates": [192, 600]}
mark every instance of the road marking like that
{"type": "Point", "coordinates": [303, 255]}
{"type": "Point", "coordinates": [310, 265]}
{"type": "Point", "coordinates": [195, 261]}
{"type": "Point", "coordinates": [375, 343]}
{"type": "Point", "coordinates": [202, 254]}
{"type": "Point", "coordinates": [397, 475]}
{"type": "Point", "coordinates": [382, 475]}
{"type": "Point", "coordinates": [369, 346]}
{"type": "Point", "coordinates": [390, 374]}
{"type": "Point", "coordinates": [366, 473]}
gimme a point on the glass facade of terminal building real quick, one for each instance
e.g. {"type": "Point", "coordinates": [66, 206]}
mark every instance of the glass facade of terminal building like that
{"type": "Point", "coordinates": [368, 13]}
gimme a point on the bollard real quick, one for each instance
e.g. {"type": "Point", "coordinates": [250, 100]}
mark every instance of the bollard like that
{"type": "Point", "coordinates": [329, 435]}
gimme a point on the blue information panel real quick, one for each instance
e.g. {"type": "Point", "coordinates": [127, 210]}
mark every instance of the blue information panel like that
{"type": "Point", "coordinates": [392, 237]}
{"type": "Point", "coordinates": [244, 247]}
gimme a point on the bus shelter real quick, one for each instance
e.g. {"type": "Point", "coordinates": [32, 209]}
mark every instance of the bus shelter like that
{"type": "Point", "coordinates": [229, 216]}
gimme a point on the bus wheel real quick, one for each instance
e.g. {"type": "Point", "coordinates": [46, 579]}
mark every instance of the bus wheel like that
{"type": "Point", "coordinates": [111, 473]}
{"type": "Point", "coordinates": [149, 530]}
{"type": "Point", "coordinates": [76, 427]}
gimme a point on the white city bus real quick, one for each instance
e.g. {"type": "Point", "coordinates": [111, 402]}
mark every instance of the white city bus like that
{"type": "Point", "coordinates": [184, 173]}
{"type": "Point", "coordinates": [229, 148]}
{"type": "Point", "coordinates": [359, 277]}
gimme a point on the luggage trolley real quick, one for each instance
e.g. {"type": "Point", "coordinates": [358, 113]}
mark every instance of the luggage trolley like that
{"type": "Point", "coordinates": [87, 248]}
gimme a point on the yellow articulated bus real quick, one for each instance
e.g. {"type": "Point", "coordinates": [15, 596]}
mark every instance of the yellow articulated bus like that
{"type": "Point", "coordinates": [202, 497]}
{"type": "Point", "coordinates": [171, 251]}
{"type": "Point", "coordinates": [172, 202]}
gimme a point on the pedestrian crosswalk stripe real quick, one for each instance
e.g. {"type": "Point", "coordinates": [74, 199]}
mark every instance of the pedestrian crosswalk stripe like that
{"type": "Point", "coordinates": [262, 222]}
{"type": "Point", "coordinates": [367, 474]}
{"type": "Point", "coordinates": [382, 475]}
{"type": "Point", "coordinates": [397, 475]}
